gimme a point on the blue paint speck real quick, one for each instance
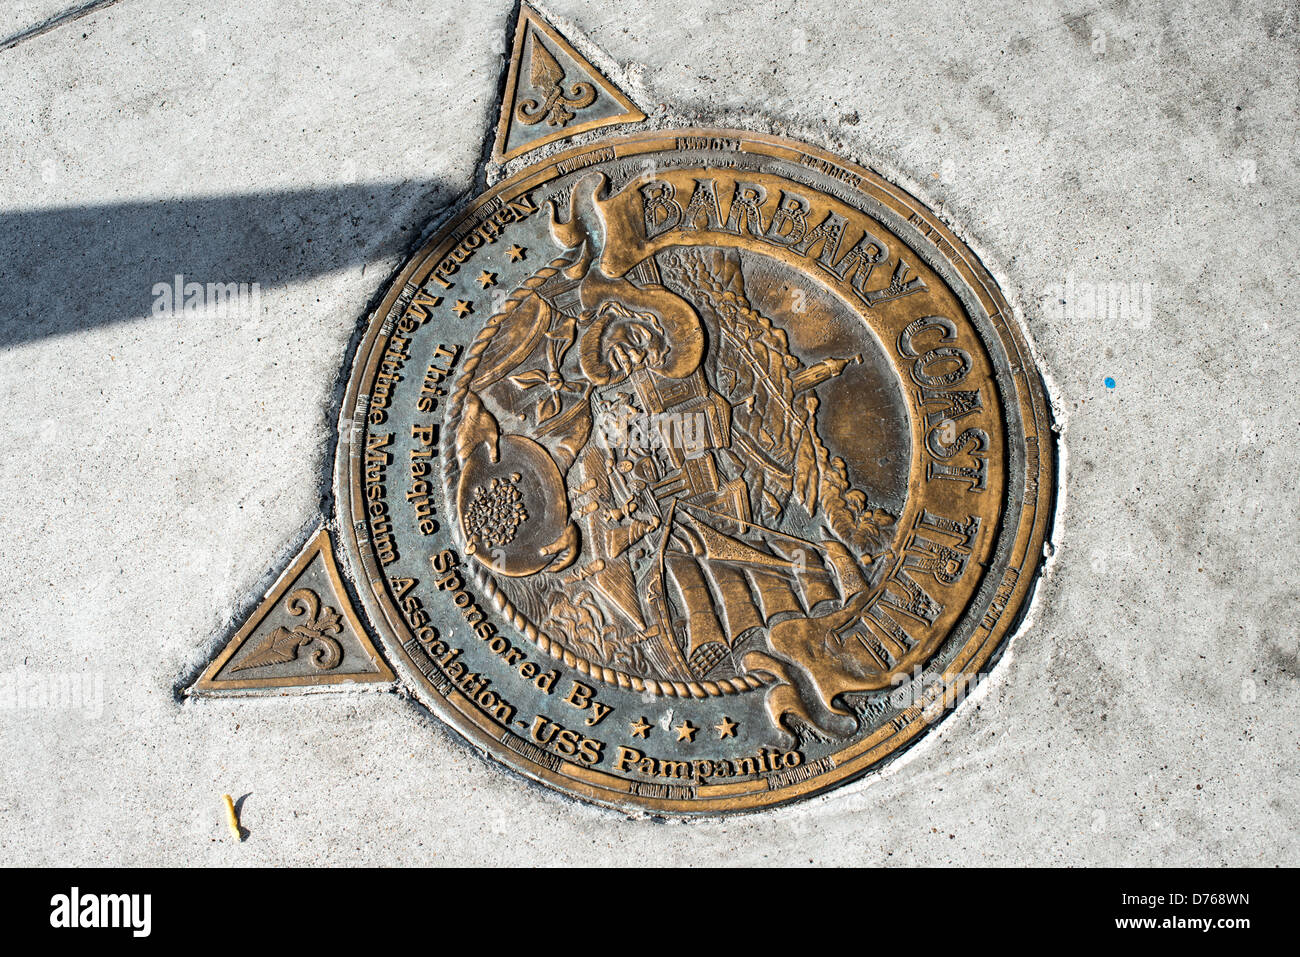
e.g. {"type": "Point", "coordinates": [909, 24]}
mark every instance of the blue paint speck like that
{"type": "Point", "coordinates": [1110, 383]}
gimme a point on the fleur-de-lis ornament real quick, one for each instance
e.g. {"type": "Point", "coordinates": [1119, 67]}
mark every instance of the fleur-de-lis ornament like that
{"type": "Point", "coordinates": [283, 644]}
{"type": "Point", "coordinates": [547, 77]}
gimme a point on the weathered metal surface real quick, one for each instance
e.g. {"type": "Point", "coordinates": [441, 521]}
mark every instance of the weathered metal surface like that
{"type": "Point", "coordinates": [303, 634]}
{"type": "Point", "coordinates": [553, 92]}
{"type": "Point", "coordinates": [694, 470]}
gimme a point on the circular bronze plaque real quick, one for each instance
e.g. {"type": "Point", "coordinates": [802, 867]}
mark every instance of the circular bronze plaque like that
{"type": "Point", "coordinates": [698, 471]}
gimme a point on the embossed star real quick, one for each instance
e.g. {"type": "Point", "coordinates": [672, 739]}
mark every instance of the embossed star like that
{"type": "Point", "coordinates": [686, 731]}
{"type": "Point", "coordinates": [486, 279]}
{"type": "Point", "coordinates": [727, 729]}
{"type": "Point", "coordinates": [641, 727]}
{"type": "Point", "coordinates": [516, 253]}
{"type": "Point", "coordinates": [463, 308]}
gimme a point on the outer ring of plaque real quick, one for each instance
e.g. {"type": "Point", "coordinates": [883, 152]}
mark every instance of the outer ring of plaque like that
{"type": "Point", "coordinates": [1023, 396]}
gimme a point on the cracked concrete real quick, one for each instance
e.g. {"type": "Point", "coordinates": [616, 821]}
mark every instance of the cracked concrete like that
{"type": "Point", "coordinates": [159, 468]}
{"type": "Point", "coordinates": [22, 20]}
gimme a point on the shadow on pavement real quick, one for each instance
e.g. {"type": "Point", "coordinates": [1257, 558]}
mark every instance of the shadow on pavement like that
{"type": "Point", "coordinates": [69, 269]}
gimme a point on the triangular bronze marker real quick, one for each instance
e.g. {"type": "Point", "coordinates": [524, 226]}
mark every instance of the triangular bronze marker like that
{"type": "Point", "coordinates": [303, 634]}
{"type": "Point", "coordinates": [553, 92]}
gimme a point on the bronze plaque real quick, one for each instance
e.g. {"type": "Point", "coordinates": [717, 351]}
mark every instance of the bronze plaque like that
{"type": "Point", "coordinates": [697, 470]}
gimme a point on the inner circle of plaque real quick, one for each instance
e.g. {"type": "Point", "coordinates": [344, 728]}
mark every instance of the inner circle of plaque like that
{"type": "Point", "coordinates": [828, 339]}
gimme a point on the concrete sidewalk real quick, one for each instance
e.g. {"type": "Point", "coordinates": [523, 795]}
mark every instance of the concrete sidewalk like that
{"type": "Point", "coordinates": [160, 471]}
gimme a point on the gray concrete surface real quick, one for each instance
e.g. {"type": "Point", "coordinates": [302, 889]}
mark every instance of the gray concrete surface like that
{"type": "Point", "coordinates": [156, 468]}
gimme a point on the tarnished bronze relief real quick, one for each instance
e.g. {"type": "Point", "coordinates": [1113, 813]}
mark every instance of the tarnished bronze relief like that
{"type": "Point", "coordinates": [553, 92]}
{"type": "Point", "coordinates": [304, 633]}
{"type": "Point", "coordinates": [697, 470]}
